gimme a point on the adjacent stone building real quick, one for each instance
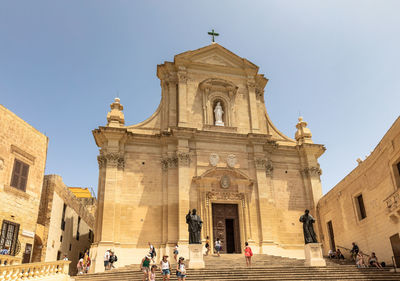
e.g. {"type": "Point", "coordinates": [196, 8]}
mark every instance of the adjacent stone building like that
{"type": "Point", "coordinates": [65, 225]}
{"type": "Point", "coordinates": [364, 207]}
{"type": "Point", "coordinates": [23, 151]}
{"type": "Point", "coordinates": [210, 145]}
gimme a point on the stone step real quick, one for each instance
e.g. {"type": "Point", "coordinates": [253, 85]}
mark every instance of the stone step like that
{"type": "Point", "coordinates": [265, 267]}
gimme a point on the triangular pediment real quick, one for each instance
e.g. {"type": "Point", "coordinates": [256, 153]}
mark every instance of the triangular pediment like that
{"type": "Point", "coordinates": [215, 54]}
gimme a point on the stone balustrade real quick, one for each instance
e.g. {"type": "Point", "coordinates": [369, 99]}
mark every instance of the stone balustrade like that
{"type": "Point", "coordinates": [49, 271]}
{"type": "Point", "coordinates": [9, 260]}
{"type": "Point", "coordinates": [393, 206]}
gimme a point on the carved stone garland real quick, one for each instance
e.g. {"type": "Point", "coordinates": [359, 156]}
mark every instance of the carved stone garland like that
{"type": "Point", "coordinates": [225, 196]}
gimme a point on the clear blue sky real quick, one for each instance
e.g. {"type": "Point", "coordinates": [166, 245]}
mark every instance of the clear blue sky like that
{"type": "Point", "coordinates": [337, 62]}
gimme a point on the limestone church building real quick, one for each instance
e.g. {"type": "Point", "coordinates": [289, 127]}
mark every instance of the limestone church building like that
{"type": "Point", "coordinates": [211, 146]}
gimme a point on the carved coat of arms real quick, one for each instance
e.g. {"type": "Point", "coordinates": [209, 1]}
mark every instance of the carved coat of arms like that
{"type": "Point", "coordinates": [214, 159]}
{"type": "Point", "coordinates": [231, 160]}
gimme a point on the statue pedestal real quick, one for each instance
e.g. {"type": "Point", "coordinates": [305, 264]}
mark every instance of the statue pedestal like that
{"type": "Point", "coordinates": [196, 256]}
{"type": "Point", "coordinates": [313, 254]}
{"type": "Point", "coordinates": [219, 123]}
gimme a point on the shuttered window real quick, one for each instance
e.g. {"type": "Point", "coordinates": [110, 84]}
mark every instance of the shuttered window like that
{"type": "Point", "coordinates": [19, 175]}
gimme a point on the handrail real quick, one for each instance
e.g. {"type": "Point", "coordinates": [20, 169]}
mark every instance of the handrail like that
{"type": "Point", "coordinates": [9, 260]}
{"type": "Point", "coordinates": [394, 263]}
{"type": "Point", "coordinates": [347, 249]}
{"type": "Point", "coordinates": [31, 271]}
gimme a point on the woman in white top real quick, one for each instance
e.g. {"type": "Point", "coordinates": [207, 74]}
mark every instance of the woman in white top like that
{"type": "Point", "coordinates": [218, 246]}
{"type": "Point", "coordinates": [181, 270]}
{"type": "Point", "coordinates": [165, 268]}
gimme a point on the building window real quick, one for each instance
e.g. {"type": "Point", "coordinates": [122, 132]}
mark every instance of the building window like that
{"type": "Point", "coordinates": [19, 175]}
{"type": "Point", "coordinates": [360, 207]}
{"type": "Point", "coordinates": [91, 236]}
{"type": "Point", "coordinates": [77, 228]}
{"type": "Point", "coordinates": [70, 246]}
{"type": "Point", "coordinates": [9, 236]}
{"type": "Point", "coordinates": [63, 217]}
{"type": "Point", "coordinates": [61, 237]}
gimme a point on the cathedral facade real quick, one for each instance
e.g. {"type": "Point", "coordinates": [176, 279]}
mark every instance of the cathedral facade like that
{"type": "Point", "coordinates": [209, 146]}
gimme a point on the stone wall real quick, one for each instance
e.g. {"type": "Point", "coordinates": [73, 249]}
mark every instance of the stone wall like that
{"type": "Point", "coordinates": [19, 140]}
{"type": "Point", "coordinates": [377, 180]}
{"type": "Point", "coordinates": [55, 194]}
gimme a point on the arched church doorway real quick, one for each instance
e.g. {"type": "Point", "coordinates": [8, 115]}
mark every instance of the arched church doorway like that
{"type": "Point", "coordinates": [226, 226]}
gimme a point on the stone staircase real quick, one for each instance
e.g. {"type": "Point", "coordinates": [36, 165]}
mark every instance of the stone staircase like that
{"type": "Point", "coordinates": [232, 267]}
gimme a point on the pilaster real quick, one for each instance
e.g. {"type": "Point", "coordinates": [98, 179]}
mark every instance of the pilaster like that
{"type": "Point", "coordinates": [251, 85]}
{"type": "Point", "coordinates": [263, 167]}
{"type": "Point", "coordinates": [182, 96]}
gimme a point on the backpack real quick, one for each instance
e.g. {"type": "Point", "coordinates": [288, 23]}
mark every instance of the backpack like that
{"type": "Point", "coordinates": [154, 252]}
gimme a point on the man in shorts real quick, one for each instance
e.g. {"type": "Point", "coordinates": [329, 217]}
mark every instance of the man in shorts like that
{"type": "Point", "coordinates": [106, 260]}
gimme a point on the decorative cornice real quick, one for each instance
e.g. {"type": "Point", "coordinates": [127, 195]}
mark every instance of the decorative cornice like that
{"type": "Point", "coordinates": [225, 196]}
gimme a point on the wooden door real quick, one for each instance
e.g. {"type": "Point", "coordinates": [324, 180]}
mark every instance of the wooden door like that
{"type": "Point", "coordinates": [27, 254]}
{"type": "Point", "coordinates": [395, 241]}
{"type": "Point", "coordinates": [331, 236]}
{"type": "Point", "coordinates": [226, 227]}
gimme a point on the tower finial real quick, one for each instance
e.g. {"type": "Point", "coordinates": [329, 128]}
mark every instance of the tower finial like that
{"type": "Point", "coordinates": [116, 118]}
{"type": "Point", "coordinates": [303, 134]}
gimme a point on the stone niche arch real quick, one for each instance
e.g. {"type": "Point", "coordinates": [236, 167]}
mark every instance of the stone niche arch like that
{"type": "Point", "coordinates": [214, 90]}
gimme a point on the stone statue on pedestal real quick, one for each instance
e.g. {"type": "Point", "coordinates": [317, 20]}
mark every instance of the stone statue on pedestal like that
{"type": "Point", "coordinates": [218, 114]}
{"type": "Point", "coordinates": [309, 234]}
{"type": "Point", "coordinates": [194, 226]}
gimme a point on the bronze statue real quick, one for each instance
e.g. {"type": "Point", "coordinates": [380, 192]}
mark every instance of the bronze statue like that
{"type": "Point", "coordinates": [194, 226]}
{"type": "Point", "coordinates": [309, 234]}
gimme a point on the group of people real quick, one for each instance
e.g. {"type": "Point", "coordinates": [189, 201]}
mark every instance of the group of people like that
{"type": "Point", "coordinates": [335, 254]}
{"type": "Point", "coordinates": [149, 270]}
{"type": "Point", "coordinates": [84, 262]}
{"type": "Point", "coordinates": [358, 257]}
{"type": "Point", "coordinates": [109, 259]}
{"type": "Point", "coordinates": [5, 250]}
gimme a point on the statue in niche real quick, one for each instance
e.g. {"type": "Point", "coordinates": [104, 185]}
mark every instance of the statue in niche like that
{"type": "Point", "coordinates": [194, 226]}
{"type": "Point", "coordinates": [309, 234]}
{"type": "Point", "coordinates": [218, 112]}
